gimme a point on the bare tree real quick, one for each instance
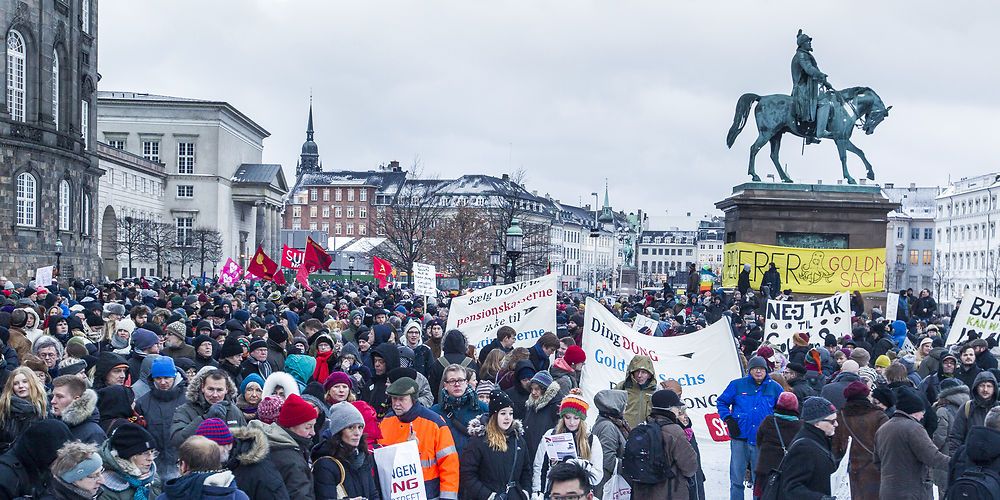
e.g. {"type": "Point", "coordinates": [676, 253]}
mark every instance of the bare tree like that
{"type": "Point", "coordinates": [513, 201]}
{"type": "Point", "coordinates": [160, 240]}
{"type": "Point", "coordinates": [462, 242]}
{"type": "Point", "coordinates": [132, 239]}
{"type": "Point", "coordinates": [186, 256]}
{"type": "Point", "coordinates": [208, 243]}
{"type": "Point", "coordinates": [407, 223]}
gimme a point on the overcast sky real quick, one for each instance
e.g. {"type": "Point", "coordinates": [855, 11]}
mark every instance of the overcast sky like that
{"type": "Point", "coordinates": [573, 92]}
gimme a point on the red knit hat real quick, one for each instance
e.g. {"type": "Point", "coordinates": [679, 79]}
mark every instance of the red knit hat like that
{"type": "Point", "coordinates": [801, 339]}
{"type": "Point", "coordinates": [269, 408]}
{"type": "Point", "coordinates": [574, 354]}
{"type": "Point", "coordinates": [296, 411]}
{"type": "Point", "coordinates": [787, 401]}
{"type": "Point", "coordinates": [216, 430]}
{"type": "Point", "coordinates": [856, 390]}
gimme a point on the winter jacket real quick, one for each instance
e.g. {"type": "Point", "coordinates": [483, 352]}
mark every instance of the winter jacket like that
{"type": "Point", "coordinates": [834, 391]}
{"type": "Point", "coordinates": [158, 406]}
{"type": "Point", "coordinates": [683, 461]}
{"type": "Point", "coordinates": [610, 406]}
{"type": "Point", "coordinates": [181, 351]}
{"type": "Point", "coordinates": [458, 412]}
{"type": "Point", "coordinates": [749, 403]}
{"type": "Point", "coordinates": [932, 362]}
{"type": "Point", "coordinates": [486, 471]}
{"type": "Point", "coordinates": [485, 351]}
{"type": "Point", "coordinates": [203, 485]}
{"type": "Point", "coordinates": [949, 402]}
{"type": "Point", "coordinates": [289, 454]}
{"type": "Point", "coordinates": [356, 474]}
{"type": "Point", "coordinates": [769, 441]}
{"type": "Point", "coordinates": [117, 472]}
{"type": "Point", "coordinates": [983, 450]}
{"type": "Point", "coordinates": [452, 352]}
{"type": "Point", "coordinates": [251, 464]}
{"type": "Point", "coordinates": [595, 463]}
{"type": "Point", "coordinates": [967, 374]}
{"type": "Point", "coordinates": [859, 420]}
{"type": "Point", "coordinates": [20, 415]}
{"type": "Point", "coordinates": [275, 356]}
{"type": "Point", "coordinates": [82, 417]}
{"type": "Point", "coordinates": [422, 359]}
{"type": "Point", "coordinates": [540, 415]}
{"type": "Point", "coordinates": [191, 414]}
{"type": "Point", "coordinates": [808, 465]}
{"type": "Point", "coordinates": [972, 413]}
{"type": "Point", "coordinates": [58, 490]}
{"type": "Point", "coordinates": [567, 377]}
{"type": "Point", "coordinates": [538, 358]}
{"type": "Point", "coordinates": [986, 360]}
{"type": "Point", "coordinates": [437, 448]}
{"type": "Point", "coordinates": [802, 388]}
{"type": "Point", "coordinates": [379, 399]}
{"type": "Point", "coordinates": [519, 397]}
{"type": "Point", "coordinates": [905, 453]}
{"type": "Point", "coordinates": [639, 397]}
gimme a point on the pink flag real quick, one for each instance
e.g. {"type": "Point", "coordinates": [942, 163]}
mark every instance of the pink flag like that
{"type": "Point", "coordinates": [230, 272]}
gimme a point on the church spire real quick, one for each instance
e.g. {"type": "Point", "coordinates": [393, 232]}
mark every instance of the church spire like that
{"type": "Point", "coordinates": [309, 159]}
{"type": "Point", "coordinates": [606, 214]}
{"type": "Point", "coordinates": [309, 128]}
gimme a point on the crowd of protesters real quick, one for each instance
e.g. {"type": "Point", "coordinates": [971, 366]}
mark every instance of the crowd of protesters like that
{"type": "Point", "coordinates": [134, 390]}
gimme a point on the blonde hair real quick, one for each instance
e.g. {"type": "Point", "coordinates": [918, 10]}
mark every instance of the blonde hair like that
{"type": "Point", "coordinates": [495, 436]}
{"type": "Point", "coordinates": [580, 436]}
{"type": "Point", "coordinates": [36, 393]}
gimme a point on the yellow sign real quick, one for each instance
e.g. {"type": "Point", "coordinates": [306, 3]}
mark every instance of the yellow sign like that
{"type": "Point", "coordinates": [821, 271]}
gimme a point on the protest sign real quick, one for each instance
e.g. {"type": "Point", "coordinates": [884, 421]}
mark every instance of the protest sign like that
{"type": "Point", "coordinates": [399, 471]}
{"type": "Point", "coordinates": [818, 318]}
{"type": "Point", "coordinates": [43, 276]}
{"type": "Point", "coordinates": [641, 321]}
{"type": "Point", "coordinates": [230, 272]}
{"type": "Point", "coordinates": [560, 446]}
{"type": "Point", "coordinates": [423, 279]}
{"type": "Point", "coordinates": [703, 363]}
{"type": "Point", "coordinates": [807, 270]}
{"type": "Point", "coordinates": [529, 307]}
{"type": "Point", "coordinates": [891, 306]}
{"type": "Point", "coordinates": [978, 316]}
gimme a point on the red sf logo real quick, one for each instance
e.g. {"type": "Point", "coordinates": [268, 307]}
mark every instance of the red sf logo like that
{"type": "Point", "coordinates": [716, 428]}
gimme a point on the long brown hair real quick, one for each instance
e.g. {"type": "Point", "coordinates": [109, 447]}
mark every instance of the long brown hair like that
{"type": "Point", "coordinates": [491, 365]}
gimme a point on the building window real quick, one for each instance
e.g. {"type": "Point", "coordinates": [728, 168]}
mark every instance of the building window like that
{"type": "Point", "coordinates": [313, 195]}
{"type": "Point", "coordinates": [362, 212]}
{"type": "Point", "coordinates": [26, 199]}
{"type": "Point", "coordinates": [185, 191]}
{"type": "Point", "coordinates": [914, 257]}
{"type": "Point", "coordinates": [55, 88]}
{"type": "Point", "coordinates": [117, 144]}
{"type": "Point", "coordinates": [899, 233]}
{"type": "Point", "coordinates": [326, 211]}
{"type": "Point", "coordinates": [350, 229]}
{"type": "Point", "coordinates": [312, 226]}
{"type": "Point", "coordinates": [296, 211]}
{"type": "Point", "coordinates": [185, 157]}
{"type": "Point", "coordinates": [185, 226]}
{"type": "Point", "coordinates": [85, 214]}
{"type": "Point", "coordinates": [151, 150]}
{"type": "Point", "coordinates": [350, 211]}
{"type": "Point", "coordinates": [85, 16]}
{"type": "Point", "coordinates": [336, 229]}
{"type": "Point", "coordinates": [64, 205]}
{"type": "Point", "coordinates": [350, 194]}
{"type": "Point", "coordinates": [296, 225]}
{"type": "Point", "coordinates": [326, 227]}
{"type": "Point", "coordinates": [337, 211]}
{"type": "Point", "coordinates": [326, 195]}
{"type": "Point", "coordinates": [85, 123]}
{"type": "Point", "coordinates": [915, 234]}
{"type": "Point", "coordinates": [15, 75]}
{"type": "Point", "coordinates": [312, 211]}
{"type": "Point", "coordinates": [362, 229]}
{"type": "Point", "coordinates": [338, 195]}
{"type": "Point", "coordinates": [363, 194]}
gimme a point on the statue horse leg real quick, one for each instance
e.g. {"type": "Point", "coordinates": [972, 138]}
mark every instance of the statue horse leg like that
{"type": "Point", "coordinates": [841, 150]}
{"type": "Point", "coordinates": [762, 139]}
{"type": "Point", "coordinates": [775, 147]}
{"type": "Point", "coordinates": [861, 154]}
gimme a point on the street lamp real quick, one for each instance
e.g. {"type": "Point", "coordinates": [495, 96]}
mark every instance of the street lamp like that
{"type": "Point", "coordinates": [513, 243]}
{"type": "Point", "coordinates": [495, 263]}
{"type": "Point", "coordinates": [350, 261]}
{"type": "Point", "coordinates": [59, 249]}
{"type": "Point", "coordinates": [595, 233]}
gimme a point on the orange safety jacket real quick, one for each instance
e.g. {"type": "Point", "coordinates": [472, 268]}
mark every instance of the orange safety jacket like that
{"type": "Point", "coordinates": [438, 456]}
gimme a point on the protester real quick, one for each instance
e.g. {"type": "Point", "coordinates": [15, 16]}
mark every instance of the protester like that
{"type": "Point", "coordinates": [251, 464]}
{"type": "Point", "coordinates": [809, 462]}
{"type": "Point", "coordinates": [202, 475]}
{"type": "Point", "coordinates": [166, 394]}
{"type": "Point", "coordinates": [951, 400]}
{"type": "Point", "coordinates": [903, 451]}
{"type": "Point", "coordinates": [22, 402]}
{"type": "Point", "coordinates": [611, 429]}
{"type": "Point", "coordinates": [858, 421]}
{"type": "Point", "coordinates": [982, 450]}
{"type": "Point", "coordinates": [290, 441]}
{"type": "Point", "coordinates": [209, 395]}
{"type": "Point", "coordinates": [541, 410]}
{"type": "Point", "coordinates": [458, 404]}
{"type": "Point", "coordinates": [569, 480]}
{"type": "Point", "coordinates": [973, 413]}
{"type": "Point", "coordinates": [495, 461]}
{"type": "Point", "coordinates": [76, 406]}
{"type": "Point", "coordinates": [25, 468]}
{"type": "Point", "coordinates": [77, 473]}
{"type": "Point", "coordinates": [572, 420]}
{"type": "Point", "coordinates": [342, 465]}
{"type": "Point", "coordinates": [129, 468]}
{"type": "Point", "coordinates": [640, 384]}
{"type": "Point", "coordinates": [666, 407]}
{"type": "Point", "coordinates": [774, 436]}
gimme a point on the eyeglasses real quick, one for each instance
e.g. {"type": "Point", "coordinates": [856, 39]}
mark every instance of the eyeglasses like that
{"type": "Point", "coordinates": [150, 454]}
{"type": "Point", "coordinates": [455, 381]}
{"type": "Point", "coordinates": [831, 421]}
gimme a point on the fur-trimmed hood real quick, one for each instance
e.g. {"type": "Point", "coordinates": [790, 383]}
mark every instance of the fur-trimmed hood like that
{"type": "Point", "coordinates": [196, 398]}
{"type": "Point", "coordinates": [81, 409]}
{"type": "Point", "coordinates": [956, 396]}
{"type": "Point", "coordinates": [547, 397]}
{"type": "Point", "coordinates": [251, 446]}
{"type": "Point", "coordinates": [477, 426]}
{"type": "Point", "coordinates": [282, 379]}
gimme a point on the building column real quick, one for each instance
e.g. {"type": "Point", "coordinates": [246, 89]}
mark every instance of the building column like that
{"type": "Point", "coordinates": [274, 229]}
{"type": "Point", "coordinates": [259, 224]}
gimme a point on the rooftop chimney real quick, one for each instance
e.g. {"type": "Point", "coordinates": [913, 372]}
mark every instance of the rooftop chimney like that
{"type": "Point", "coordinates": [394, 166]}
{"type": "Point", "coordinates": [889, 185]}
{"type": "Point", "coordinates": [505, 177]}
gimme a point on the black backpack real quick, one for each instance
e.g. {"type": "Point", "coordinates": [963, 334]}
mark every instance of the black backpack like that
{"type": "Point", "coordinates": [644, 461]}
{"type": "Point", "coordinates": [976, 483]}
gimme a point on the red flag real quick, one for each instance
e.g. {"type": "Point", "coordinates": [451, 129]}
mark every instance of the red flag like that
{"type": "Point", "coordinates": [291, 258]}
{"type": "Point", "coordinates": [382, 270]}
{"type": "Point", "coordinates": [302, 276]}
{"type": "Point", "coordinates": [262, 265]}
{"type": "Point", "coordinates": [279, 278]}
{"type": "Point", "coordinates": [316, 257]}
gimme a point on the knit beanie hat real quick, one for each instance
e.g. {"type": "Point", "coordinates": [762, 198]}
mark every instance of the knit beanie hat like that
{"type": "Point", "coordinates": [797, 368]}
{"type": "Point", "coordinates": [574, 404]}
{"type": "Point", "coordinates": [526, 371]}
{"type": "Point", "coordinates": [343, 415]}
{"type": "Point", "coordinates": [337, 378]}
{"type": "Point", "coordinates": [177, 329]}
{"type": "Point", "coordinates": [756, 362]}
{"type": "Point", "coordinates": [143, 339]}
{"type": "Point", "coordinates": [574, 354]}
{"type": "Point", "coordinates": [216, 430]}
{"type": "Point", "coordinates": [296, 411]}
{"type": "Point", "coordinates": [908, 400]}
{"type": "Point", "coordinates": [861, 355]}
{"type": "Point", "coordinates": [542, 378]}
{"type": "Point", "coordinates": [201, 339]}
{"type": "Point", "coordinates": [884, 395]}
{"type": "Point", "coordinates": [664, 399]}
{"type": "Point", "coordinates": [163, 366]}
{"type": "Point", "coordinates": [868, 375]}
{"type": "Point", "coordinates": [499, 400]}
{"type": "Point", "coordinates": [484, 388]}
{"type": "Point", "coordinates": [72, 366]}
{"type": "Point", "coordinates": [231, 347]}
{"type": "Point", "coordinates": [130, 439]}
{"type": "Point", "coordinates": [251, 378]}
{"type": "Point", "coordinates": [816, 408]}
{"type": "Point", "coordinates": [257, 344]}
{"type": "Point", "coordinates": [76, 348]}
{"type": "Point", "coordinates": [882, 361]}
{"type": "Point", "coordinates": [856, 390]}
{"type": "Point", "coordinates": [788, 402]}
{"type": "Point", "coordinates": [277, 334]}
{"type": "Point", "coordinates": [800, 339]}
{"type": "Point", "coordinates": [850, 366]}
{"type": "Point", "coordinates": [269, 408]}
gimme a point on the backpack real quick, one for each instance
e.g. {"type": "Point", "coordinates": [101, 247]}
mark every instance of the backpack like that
{"type": "Point", "coordinates": [976, 483]}
{"type": "Point", "coordinates": [644, 460]}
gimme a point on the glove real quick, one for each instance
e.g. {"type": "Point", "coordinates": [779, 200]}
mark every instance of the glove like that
{"type": "Point", "coordinates": [734, 428]}
{"type": "Point", "coordinates": [217, 410]}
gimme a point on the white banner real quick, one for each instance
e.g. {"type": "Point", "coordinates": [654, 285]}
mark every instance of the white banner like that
{"type": "Point", "coordinates": [703, 363]}
{"type": "Point", "coordinates": [979, 315]}
{"type": "Point", "coordinates": [43, 276]}
{"type": "Point", "coordinates": [641, 321]}
{"type": "Point", "coordinates": [891, 306]}
{"type": "Point", "coordinates": [399, 471]}
{"type": "Point", "coordinates": [818, 318]}
{"type": "Point", "coordinates": [424, 282]}
{"type": "Point", "coordinates": [527, 306]}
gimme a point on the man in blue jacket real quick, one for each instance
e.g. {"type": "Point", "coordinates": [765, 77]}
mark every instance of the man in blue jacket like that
{"type": "Point", "coordinates": [743, 406]}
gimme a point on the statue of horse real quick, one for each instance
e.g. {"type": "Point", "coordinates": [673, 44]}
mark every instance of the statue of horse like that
{"type": "Point", "coordinates": [774, 115]}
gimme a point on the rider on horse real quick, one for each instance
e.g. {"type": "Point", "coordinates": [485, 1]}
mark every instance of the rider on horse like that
{"type": "Point", "coordinates": [806, 79]}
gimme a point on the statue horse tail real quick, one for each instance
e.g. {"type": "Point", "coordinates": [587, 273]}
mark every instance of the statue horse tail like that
{"type": "Point", "coordinates": [740, 120]}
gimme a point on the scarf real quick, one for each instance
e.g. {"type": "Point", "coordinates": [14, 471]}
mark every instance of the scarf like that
{"type": "Point", "coordinates": [118, 342]}
{"type": "Point", "coordinates": [616, 418]}
{"type": "Point", "coordinates": [141, 485]}
{"type": "Point", "coordinates": [262, 366]}
{"type": "Point", "coordinates": [322, 370]}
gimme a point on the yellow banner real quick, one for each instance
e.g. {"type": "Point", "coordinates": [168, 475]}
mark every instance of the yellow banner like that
{"type": "Point", "coordinates": [807, 270]}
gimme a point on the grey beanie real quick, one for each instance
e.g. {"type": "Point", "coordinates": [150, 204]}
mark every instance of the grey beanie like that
{"type": "Point", "coordinates": [542, 378]}
{"type": "Point", "coordinates": [816, 408]}
{"type": "Point", "coordinates": [343, 415]}
{"type": "Point", "coordinates": [756, 362]}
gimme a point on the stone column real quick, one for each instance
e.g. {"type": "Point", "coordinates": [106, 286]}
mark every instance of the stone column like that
{"type": "Point", "coordinates": [260, 212]}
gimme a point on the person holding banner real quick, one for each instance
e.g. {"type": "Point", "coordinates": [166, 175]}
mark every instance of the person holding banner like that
{"type": "Point", "coordinates": [495, 461]}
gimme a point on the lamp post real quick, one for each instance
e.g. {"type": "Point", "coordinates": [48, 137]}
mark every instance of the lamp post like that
{"type": "Point", "coordinates": [59, 250]}
{"type": "Point", "coordinates": [595, 233]}
{"type": "Point", "coordinates": [513, 243]}
{"type": "Point", "coordinates": [350, 267]}
{"type": "Point", "coordinates": [495, 264]}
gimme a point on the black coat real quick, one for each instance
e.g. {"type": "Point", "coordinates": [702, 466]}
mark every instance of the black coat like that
{"type": "Point", "coordinates": [743, 282]}
{"type": "Point", "coordinates": [808, 466]}
{"type": "Point", "coordinates": [541, 415]}
{"type": "Point", "coordinates": [518, 396]}
{"type": "Point", "coordinates": [486, 471]}
{"type": "Point", "coordinates": [453, 351]}
{"type": "Point", "coordinates": [358, 478]}
{"type": "Point", "coordinates": [981, 450]}
{"type": "Point", "coordinates": [250, 462]}
{"type": "Point", "coordinates": [769, 450]}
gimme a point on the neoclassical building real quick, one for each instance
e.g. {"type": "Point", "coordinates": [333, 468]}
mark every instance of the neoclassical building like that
{"type": "Point", "coordinates": [48, 171]}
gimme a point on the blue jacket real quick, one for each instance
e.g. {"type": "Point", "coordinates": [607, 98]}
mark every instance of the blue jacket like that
{"type": "Point", "coordinates": [749, 404]}
{"type": "Point", "coordinates": [458, 412]}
